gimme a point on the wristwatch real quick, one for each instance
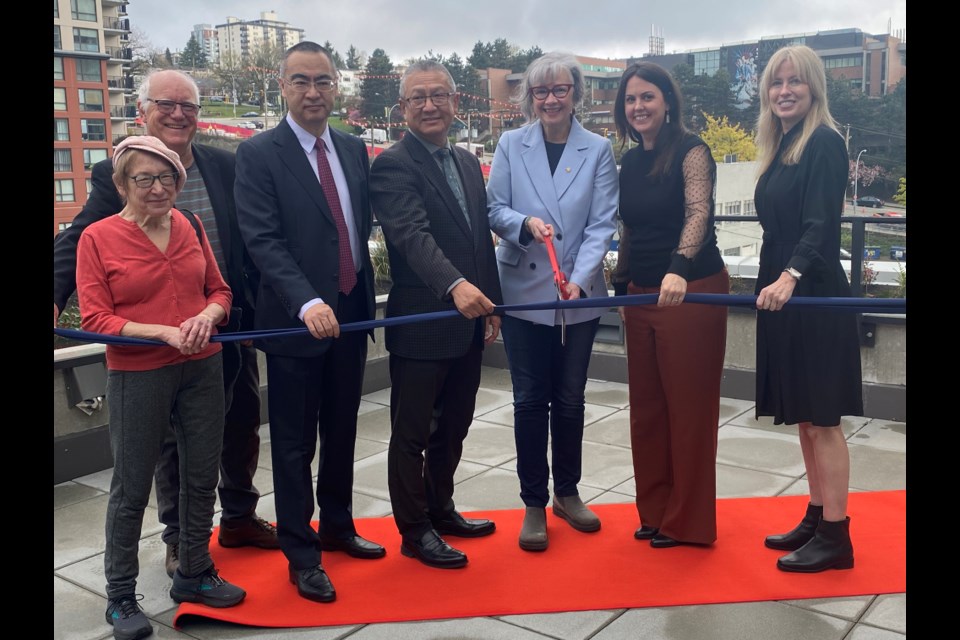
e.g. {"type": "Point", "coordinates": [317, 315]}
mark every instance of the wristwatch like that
{"type": "Point", "coordinates": [796, 275]}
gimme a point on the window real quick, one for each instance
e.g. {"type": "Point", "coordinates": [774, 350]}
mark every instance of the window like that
{"type": "Point", "coordinates": [61, 160]}
{"type": "Point", "coordinates": [61, 130]}
{"type": "Point", "coordinates": [64, 225]}
{"type": "Point", "coordinates": [63, 190]}
{"type": "Point", "coordinates": [86, 39]}
{"type": "Point", "coordinates": [57, 43]}
{"type": "Point", "coordinates": [748, 208]}
{"type": "Point", "coordinates": [92, 157]}
{"type": "Point", "coordinates": [56, 8]}
{"type": "Point", "coordinates": [57, 68]}
{"type": "Point", "coordinates": [731, 209]}
{"type": "Point", "coordinates": [88, 70]}
{"type": "Point", "coordinates": [93, 130]}
{"type": "Point", "coordinates": [59, 99]}
{"type": "Point", "coordinates": [89, 186]}
{"type": "Point", "coordinates": [733, 251]}
{"type": "Point", "coordinates": [90, 99]}
{"type": "Point", "coordinates": [84, 10]}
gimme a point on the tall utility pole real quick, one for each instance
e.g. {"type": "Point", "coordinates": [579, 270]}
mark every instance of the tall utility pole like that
{"type": "Point", "coordinates": [856, 179]}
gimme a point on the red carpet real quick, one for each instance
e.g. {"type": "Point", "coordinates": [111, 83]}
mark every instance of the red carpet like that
{"type": "Point", "coordinates": [603, 570]}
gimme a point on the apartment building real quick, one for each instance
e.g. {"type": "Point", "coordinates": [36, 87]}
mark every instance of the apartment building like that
{"type": "Point", "coordinates": [209, 40]}
{"type": "Point", "coordinates": [238, 39]}
{"type": "Point", "coordinates": [91, 84]}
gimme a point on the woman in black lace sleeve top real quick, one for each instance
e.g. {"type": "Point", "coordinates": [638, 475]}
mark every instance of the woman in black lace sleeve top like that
{"type": "Point", "coordinates": [808, 362]}
{"type": "Point", "coordinates": [675, 351]}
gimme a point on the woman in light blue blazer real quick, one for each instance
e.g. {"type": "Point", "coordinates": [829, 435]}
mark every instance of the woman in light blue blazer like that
{"type": "Point", "coordinates": [551, 179]}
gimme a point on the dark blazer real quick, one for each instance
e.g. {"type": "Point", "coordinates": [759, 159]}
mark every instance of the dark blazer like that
{"type": "Point", "coordinates": [217, 169]}
{"type": "Point", "coordinates": [431, 246]}
{"type": "Point", "coordinates": [290, 234]}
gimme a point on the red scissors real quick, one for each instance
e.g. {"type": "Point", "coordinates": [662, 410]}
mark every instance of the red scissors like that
{"type": "Point", "coordinates": [560, 280]}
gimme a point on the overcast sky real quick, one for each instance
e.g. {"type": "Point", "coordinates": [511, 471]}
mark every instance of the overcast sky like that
{"type": "Point", "coordinates": [601, 28]}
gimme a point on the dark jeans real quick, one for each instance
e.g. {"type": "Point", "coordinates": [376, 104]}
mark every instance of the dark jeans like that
{"type": "Point", "coordinates": [241, 447]}
{"type": "Point", "coordinates": [548, 400]}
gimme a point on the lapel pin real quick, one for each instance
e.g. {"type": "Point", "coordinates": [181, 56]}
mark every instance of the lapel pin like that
{"type": "Point", "coordinates": [568, 169]}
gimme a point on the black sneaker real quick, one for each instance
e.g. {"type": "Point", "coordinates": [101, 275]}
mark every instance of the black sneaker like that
{"type": "Point", "coordinates": [127, 618]}
{"type": "Point", "coordinates": [207, 588]}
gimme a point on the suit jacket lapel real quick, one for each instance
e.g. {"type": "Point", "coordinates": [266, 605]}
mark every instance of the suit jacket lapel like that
{"type": "Point", "coordinates": [572, 159]}
{"type": "Point", "coordinates": [436, 178]}
{"type": "Point", "coordinates": [292, 155]}
{"type": "Point", "coordinates": [347, 163]}
{"type": "Point", "coordinates": [538, 169]}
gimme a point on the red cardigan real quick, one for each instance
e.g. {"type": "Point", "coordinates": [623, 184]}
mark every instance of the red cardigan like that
{"type": "Point", "coordinates": [122, 277]}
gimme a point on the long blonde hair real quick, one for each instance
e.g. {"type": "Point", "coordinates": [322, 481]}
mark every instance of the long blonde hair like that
{"type": "Point", "coordinates": [809, 68]}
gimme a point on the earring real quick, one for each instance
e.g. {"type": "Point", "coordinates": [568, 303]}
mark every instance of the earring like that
{"type": "Point", "coordinates": [668, 117]}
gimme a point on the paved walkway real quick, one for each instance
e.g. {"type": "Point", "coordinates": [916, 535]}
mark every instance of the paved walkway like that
{"type": "Point", "coordinates": [754, 459]}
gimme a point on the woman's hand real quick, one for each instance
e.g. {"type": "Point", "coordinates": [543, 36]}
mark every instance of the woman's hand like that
{"type": "Point", "coordinates": [195, 334]}
{"type": "Point", "coordinates": [672, 290]}
{"type": "Point", "coordinates": [573, 291]}
{"type": "Point", "coordinates": [539, 229]}
{"type": "Point", "coordinates": [773, 296]}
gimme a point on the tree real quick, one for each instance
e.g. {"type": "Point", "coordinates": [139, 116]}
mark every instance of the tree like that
{"type": "Point", "coordinates": [522, 58]}
{"type": "Point", "coordinates": [144, 55]}
{"type": "Point", "coordinates": [380, 87]}
{"type": "Point", "coordinates": [168, 57]}
{"type": "Point", "coordinates": [354, 59]}
{"type": "Point", "coordinates": [703, 93]}
{"type": "Point", "coordinates": [900, 197]}
{"type": "Point", "coordinates": [230, 75]}
{"type": "Point", "coordinates": [337, 60]}
{"type": "Point", "coordinates": [725, 139]}
{"type": "Point", "coordinates": [263, 70]}
{"type": "Point", "coordinates": [193, 56]}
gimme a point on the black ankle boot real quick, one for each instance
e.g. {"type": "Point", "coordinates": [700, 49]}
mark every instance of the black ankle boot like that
{"type": "Point", "coordinates": [830, 548]}
{"type": "Point", "coordinates": [800, 534]}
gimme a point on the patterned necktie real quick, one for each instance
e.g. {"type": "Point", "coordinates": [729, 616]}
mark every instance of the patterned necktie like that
{"type": "Point", "coordinates": [450, 173]}
{"type": "Point", "coordinates": [348, 275]}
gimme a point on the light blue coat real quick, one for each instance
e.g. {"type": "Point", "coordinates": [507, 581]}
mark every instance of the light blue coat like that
{"type": "Point", "coordinates": [580, 200]}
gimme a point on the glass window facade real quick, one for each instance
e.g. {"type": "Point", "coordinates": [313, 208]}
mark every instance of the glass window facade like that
{"type": "Point", "coordinates": [57, 68]}
{"type": "Point", "coordinates": [93, 130]}
{"type": "Point", "coordinates": [61, 160]}
{"type": "Point", "coordinates": [88, 70]}
{"type": "Point", "coordinates": [90, 99]}
{"type": "Point", "coordinates": [92, 157]}
{"type": "Point", "coordinates": [63, 190]}
{"type": "Point", "coordinates": [86, 39]}
{"type": "Point", "coordinates": [85, 10]}
{"type": "Point", "coordinates": [59, 99]}
{"type": "Point", "coordinates": [61, 130]}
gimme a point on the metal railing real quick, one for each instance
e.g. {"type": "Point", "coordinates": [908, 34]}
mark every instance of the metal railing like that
{"type": "Point", "coordinates": [858, 225]}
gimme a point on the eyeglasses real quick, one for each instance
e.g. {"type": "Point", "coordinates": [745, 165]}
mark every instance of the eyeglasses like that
{"type": "Point", "coordinates": [145, 180]}
{"type": "Point", "coordinates": [302, 85]}
{"type": "Point", "coordinates": [438, 99]}
{"type": "Point", "coordinates": [558, 90]}
{"type": "Point", "coordinates": [167, 107]}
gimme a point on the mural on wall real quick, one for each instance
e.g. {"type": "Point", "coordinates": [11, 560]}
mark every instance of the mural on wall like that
{"type": "Point", "coordinates": [745, 77]}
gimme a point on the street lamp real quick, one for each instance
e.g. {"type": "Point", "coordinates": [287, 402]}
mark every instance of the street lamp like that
{"type": "Point", "coordinates": [389, 117]}
{"type": "Point", "coordinates": [856, 179]}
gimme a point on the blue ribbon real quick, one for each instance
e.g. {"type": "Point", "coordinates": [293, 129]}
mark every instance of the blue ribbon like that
{"type": "Point", "coordinates": [846, 305]}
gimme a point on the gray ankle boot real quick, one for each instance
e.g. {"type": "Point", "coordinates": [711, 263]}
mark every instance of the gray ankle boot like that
{"type": "Point", "coordinates": [533, 534]}
{"type": "Point", "coordinates": [572, 509]}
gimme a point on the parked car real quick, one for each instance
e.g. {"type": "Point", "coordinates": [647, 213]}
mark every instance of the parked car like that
{"type": "Point", "coordinates": [257, 123]}
{"type": "Point", "coordinates": [250, 114]}
{"type": "Point", "coordinates": [870, 201]}
{"type": "Point", "coordinates": [246, 125]}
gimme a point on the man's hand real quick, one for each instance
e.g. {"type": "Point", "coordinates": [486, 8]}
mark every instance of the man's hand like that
{"type": "Point", "coordinates": [321, 322]}
{"type": "Point", "coordinates": [470, 301]}
{"type": "Point", "coordinates": [491, 328]}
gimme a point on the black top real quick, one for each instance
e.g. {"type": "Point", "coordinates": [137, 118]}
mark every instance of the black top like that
{"type": "Point", "coordinates": [808, 362]}
{"type": "Point", "coordinates": [668, 221]}
{"type": "Point", "coordinates": [554, 153]}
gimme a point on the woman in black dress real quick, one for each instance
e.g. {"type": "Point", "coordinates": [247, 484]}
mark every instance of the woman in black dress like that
{"type": "Point", "coordinates": [675, 351]}
{"type": "Point", "coordinates": [808, 362]}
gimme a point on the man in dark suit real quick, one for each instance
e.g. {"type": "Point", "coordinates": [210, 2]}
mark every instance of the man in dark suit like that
{"type": "Point", "coordinates": [169, 106]}
{"type": "Point", "coordinates": [430, 200]}
{"type": "Point", "coordinates": [304, 214]}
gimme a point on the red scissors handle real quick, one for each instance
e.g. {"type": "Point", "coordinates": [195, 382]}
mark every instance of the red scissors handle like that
{"type": "Point", "coordinates": [558, 278]}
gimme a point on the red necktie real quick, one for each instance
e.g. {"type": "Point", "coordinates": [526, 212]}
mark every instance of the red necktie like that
{"type": "Point", "coordinates": [348, 275]}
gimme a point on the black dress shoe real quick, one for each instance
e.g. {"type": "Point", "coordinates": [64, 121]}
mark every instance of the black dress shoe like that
{"type": "Point", "coordinates": [454, 524]}
{"type": "Point", "coordinates": [660, 541]}
{"type": "Point", "coordinates": [645, 532]}
{"type": "Point", "coordinates": [354, 546]}
{"type": "Point", "coordinates": [431, 550]}
{"type": "Point", "coordinates": [313, 584]}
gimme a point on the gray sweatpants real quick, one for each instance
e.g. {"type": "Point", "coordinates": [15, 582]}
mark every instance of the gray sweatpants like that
{"type": "Point", "coordinates": [143, 406]}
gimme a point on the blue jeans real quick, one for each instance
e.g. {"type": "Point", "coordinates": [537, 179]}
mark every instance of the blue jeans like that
{"type": "Point", "coordinates": [548, 399]}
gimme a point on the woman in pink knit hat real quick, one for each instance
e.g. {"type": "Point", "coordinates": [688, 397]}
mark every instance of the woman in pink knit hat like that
{"type": "Point", "coordinates": [148, 272]}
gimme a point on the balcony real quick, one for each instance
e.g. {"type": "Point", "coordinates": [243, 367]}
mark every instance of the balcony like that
{"type": "Point", "coordinates": [116, 24]}
{"type": "Point", "coordinates": [119, 53]}
{"type": "Point", "coordinates": [127, 111]}
{"type": "Point", "coordinates": [120, 83]}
